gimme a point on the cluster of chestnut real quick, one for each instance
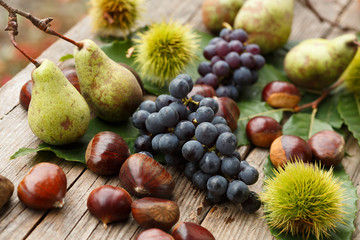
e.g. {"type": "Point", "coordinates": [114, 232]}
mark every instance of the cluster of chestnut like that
{"type": "Point", "coordinates": [45, 186]}
{"type": "Point", "coordinates": [327, 146]}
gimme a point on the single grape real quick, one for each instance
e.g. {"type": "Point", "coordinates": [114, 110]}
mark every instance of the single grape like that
{"type": "Point", "coordinates": [210, 163]}
{"type": "Point", "coordinates": [200, 179]}
{"type": "Point", "coordinates": [146, 153]}
{"type": "Point", "coordinates": [163, 100]}
{"type": "Point", "coordinates": [215, 59]}
{"type": "Point", "coordinates": [210, 79]}
{"type": "Point", "coordinates": [243, 76]}
{"type": "Point", "coordinates": [174, 160]}
{"type": "Point", "coordinates": [225, 34]}
{"type": "Point", "coordinates": [226, 143]}
{"type": "Point", "coordinates": [221, 128]}
{"type": "Point", "coordinates": [204, 114]}
{"type": "Point", "coordinates": [191, 117]}
{"type": "Point", "coordinates": [215, 40]}
{"type": "Point", "coordinates": [238, 156]}
{"type": "Point", "coordinates": [180, 108]}
{"type": "Point", "coordinates": [243, 164]}
{"type": "Point", "coordinates": [222, 48]}
{"type": "Point", "coordinates": [168, 116]}
{"type": "Point", "coordinates": [218, 119]}
{"type": "Point", "coordinates": [204, 68]}
{"type": "Point", "coordinates": [152, 124]}
{"type": "Point", "coordinates": [249, 175]}
{"type": "Point", "coordinates": [179, 88]}
{"type": "Point", "coordinates": [214, 198]}
{"type": "Point", "coordinates": [188, 79]}
{"type": "Point", "coordinates": [239, 34]}
{"type": "Point", "coordinates": [233, 59]}
{"type": "Point", "coordinates": [168, 143]}
{"type": "Point", "coordinates": [209, 51]}
{"type": "Point", "coordinates": [230, 166]}
{"type": "Point", "coordinates": [138, 119]}
{"type": "Point", "coordinates": [184, 130]}
{"type": "Point", "coordinates": [196, 98]}
{"type": "Point", "coordinates": [143, 143]}
{"type": "Point", "coordinates": [237, 191]}
{"type": "Point", "coordinates": [206, 133]}
{"type": "Point", "coordinates": [190, 169]}
{"type": "Point", "coordinates": [155, 142]}
{"type": "Point", "coordinates": [217, 185]}
{"type": "Point", "coordinates": [252, 48]}
{"type": "Point", "coordinates": [221, 68]}
{"type": "Point", "coordinates": [192, 150]}
{"type": "Point", "coordinates": [234, 92]}
{"type": "Point", "coordinates": [236, 46]}
{"type": "Point", "coordinates": [148, 106]}
{"type": "Point", "coordinates": [252, 204]}
{"type": "Point", "coordinates": [247, 60]}
{"type": "Point", "coordinates": [223, 91]}
{"type": "Point", "coordinates": [200, 80]}
{"type": "Point", "coordinates": [211, 103]}
{"type": "Point", "coordinates": [259, 61]}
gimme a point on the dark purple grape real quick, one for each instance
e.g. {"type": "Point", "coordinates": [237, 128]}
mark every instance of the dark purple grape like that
{"type": "Point", "coordinates": [221, 68]}
{"type": "Point", "coordinates": [210, 163]}
{"type": "Point", "coordinates": [184, 130]}
{"type": "Point", "coordinates": [191, 117]}
{"type": "Point", "coordinates": [163, 100]}
{"type": "Point", "coordinates": [214, 198]}
{"type": "Point", "coordinates": [143, 143]}
{"type": "Point", "coordinates": [217, 185]}
{"type": "Point", "coordinates": [206, 133]}
{"type": "Point", "coordinates": [204, 114]}
{"type": "Point", "coordinates": [234, 92]}
{"type": "Point", "coordinates": [192, 150]}
{"type": "Point", "coordinates": [239, 34]}
{"type": "Point", "coordinates": [233, 59]}
{"type": "Point", "coordinates": [223, 91]}
{"type": "Point", "coordinates": [174, 160]}
{"type": "Point", "coordinates": [236, 46]}
{"type": "Point", "coordinates": [209, 51]}
{"type": "Point", "coordinates": [179, 88]}
{"type": "Point", "coordinates": [259, 61]}
{"type": "Point", "coordinates": [188, 79]}
{"type": "Point", "coordinates": [237, 155]}
{"type": "Point", "coordinates": [152, 124]}
{"type": "Point", "coordinates": [219, 119]}
{"type": "Point", "coordinates": [247, 60]}
{"type": "Point", "coordinates": [210, 102]}
{"type": "Point", "coordinates": [230, 166]}
{"type": "Point", "coordinates": [195, 98]}
{"type": "Point", "coordinates": [226, 143]}
{"type": "Point", "coordinates": [215, 59]}
{"type": "Point", "coordinates": [252, 48]}
{"type": "Point", "coordinates": [200, 179]}
{"type": "Point", "coordinates": [204, 68]}
{"type": "Point", "coordinates": [237, 191]}
{"type": "Point", "coordinates": [155, 142]}
{"type": "Point", "coordinates": [138, 119]}
{"type": "Point", "coordinates": [210, 79]}
{"type": "Point", "coordinates": [168, 116]}
{"type": "Point", "coordinates": [215, 40]}
{"type": "Point", "coordinates": [254, 76]}
{"type": "Point", "coordinates": [252, 204]}
{"type": "Point", "coordinates": [222, 48]}
{"type": "Point", "coordinates": [225, 34]}
{"type": "Point", "coordinates": [190, 169]}
{"type": "Point", "coordinates": [249, 175]}
{"type": "Point", "coordinates": [180, 108]}
{"type": "Point", "coordinates": [243, 76]}
{"type": "Point", "coordinates": [221, 128]}
{"type": "Point", "coordinates": [148, 106]}
{"type": "Point", "coordinates": [168, 143]}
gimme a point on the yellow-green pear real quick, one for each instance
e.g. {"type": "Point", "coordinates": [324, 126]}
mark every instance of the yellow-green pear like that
{"type": "Point", "coordinates": [58, 114]}
{"type": "Point", "coordinates": [267, 22]}
{"type": "Point", "coordinates": [112, 91]}
{"type": "Point", "coordinates": [318, 63]}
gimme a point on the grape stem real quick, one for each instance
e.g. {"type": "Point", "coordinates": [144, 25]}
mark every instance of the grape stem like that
{"type": "Point", "coordinates": [314, 104]}
{"type": "Point", "coordinates": [42, 24]}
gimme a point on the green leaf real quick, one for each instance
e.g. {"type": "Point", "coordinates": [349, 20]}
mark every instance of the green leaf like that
{"type": "Point", "coordinates": [327, 112]}
{"type": "Point", "coordinates": [299, 125]}
{"type": "Point", "coordinates": [117, 51]}
{"type": "Point", "coordinates": [343, 231]}
{"type": "Point", "coordinates": [249, 109]}
{"type": "Point", "coordinates": [349, 110]}
{"type": "Point", "coordinates": [76, 151]}
{"type": "Point", "coordinates": [66, 57]}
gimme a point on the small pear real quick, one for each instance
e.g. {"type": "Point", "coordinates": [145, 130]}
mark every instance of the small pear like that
{"type": "Point", "coordinates": [268, 22]}
{"type": "Point", "coordinates": [58, 114]}
{"type": "Point", "coordinates": [318, 63]}
{"type": "Point", "coordinates": [112, 91]}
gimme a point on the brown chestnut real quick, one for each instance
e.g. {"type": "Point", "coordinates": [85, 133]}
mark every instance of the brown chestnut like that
{"type": "Point", "coordinates": [262, 131]}
{"type": "Point", "coordinates": [155, 213]}
{"type": "Point", "coordinates": [71, 75]}
{"type": "Point", "coordinates": [328, 147]}
{"type": "Point", "coordinates": [44, 187]}
{"type": "Point", "coordinates": [191, 231]}
{"type": "Point", "coordinates": [106, 152]}
{"type": "Point", "coordinates": [154, 234]}
{"type": "Point", "coordinates": [229, 110]}
{"type": "Point", "coordinates": [289, 148]}
{"type": "Point", "coordinates": [280, 94]}
{"type": "Point", "coordinates": [6, 190]}
{"type": "Point", "coordinates": [203, 90]}
{"type": "Point", "coordinates": [142, 176]}
{"type": "Point", "coordinates": [109, 204]}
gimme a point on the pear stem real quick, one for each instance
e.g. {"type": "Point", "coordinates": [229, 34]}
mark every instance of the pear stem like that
{"type": "Point", "coordinates": [309, 5]}
{"type": "Point", "coordinates": [42, 24]}
{"type": "Point", "coordinates": [314, 104]}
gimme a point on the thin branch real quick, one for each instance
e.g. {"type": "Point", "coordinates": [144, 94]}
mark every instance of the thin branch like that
{"type": "Point", "coordinates": [312, 120]}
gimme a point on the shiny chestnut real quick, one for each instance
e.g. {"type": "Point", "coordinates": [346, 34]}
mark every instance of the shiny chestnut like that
{"type": "Point", "coordinates": [279, 94]}
{"type": "Point", "coordinates": [6, 190]}
{"type": "Point", "coordinates": [191, 231]}
{"type": "Point", "coordinates": [44, 187]}
{"type": "Point", "coordinates": [109, 204]}
{"type": "Point", "coordinates": [106, 152]}
{"type": "Point", "coordinates": [142, 176]}
{"type": "Point", "coordinates": [328, 147]}
{"type": "Point", "coordinates": [203, 90]}
{"type": "Point", "coordinates": [155, 213]}
{"type": "Point", "coordinates": [289, 148]}
{"type": "Point", "coordinates": [263, 130]}
{"type": "Point", "coordinates": [71, 75]}
{"type": "Point", "coordinates": [154, 234]}
{"type": "Point", "coordinates": [229, 110]}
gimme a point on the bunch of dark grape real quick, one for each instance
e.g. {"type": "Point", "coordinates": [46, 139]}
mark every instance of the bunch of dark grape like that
{"type": "Point", "coordinates": [233, 63]}
{"type": "Point", "coordinates": [188, 133]}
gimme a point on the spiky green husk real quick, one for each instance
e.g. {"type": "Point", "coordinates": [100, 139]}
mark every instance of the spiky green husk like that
{"type": "Point", "coordinates": [110, 16]}
{"type": "Point", "coordinates": [165, 50]}
{"type": "Point", "coordinates": [303, 199]}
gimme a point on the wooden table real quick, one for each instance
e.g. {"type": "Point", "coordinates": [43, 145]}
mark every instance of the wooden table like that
{"type": "Point", "coordinates": [73, 221]}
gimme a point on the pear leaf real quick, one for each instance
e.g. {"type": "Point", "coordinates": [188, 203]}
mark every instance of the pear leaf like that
{"type": "Point", "coordinates": [344, 230]}
{"type": "Point", "coordinates": [76, 151]}
{"type": "Point", "coordinates": [250, 109]}
{"type": "Point", "coordinates": [327, 112]}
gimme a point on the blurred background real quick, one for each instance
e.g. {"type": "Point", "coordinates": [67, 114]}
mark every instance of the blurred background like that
{"type": "Point", "coordinates": [66, 13]}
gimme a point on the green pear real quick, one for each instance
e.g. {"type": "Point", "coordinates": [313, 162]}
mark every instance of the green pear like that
{"type": "Point", "coordinates": [58, 114]}
{"type": "Point", "coordinates": [318, 63]}
{"type": "Point", "coordinates": [112, 91]}
{"type": "Point", "coordinates": [267, 22]}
